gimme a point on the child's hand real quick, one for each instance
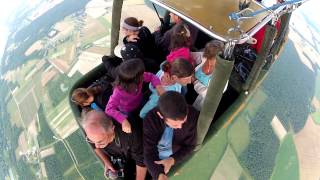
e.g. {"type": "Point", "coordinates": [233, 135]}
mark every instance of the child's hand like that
{"type": "Point", "coordinates": [126, 126]}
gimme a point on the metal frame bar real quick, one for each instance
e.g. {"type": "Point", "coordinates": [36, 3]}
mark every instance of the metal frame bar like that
{"type": "Point", "coordinates": [238, 16]}
{"type": "Point", "coordinates": [190, 21]}
{"type": "Point", "coordinates": [245, 36]}
{"type": "Point", "coordinates": [115, 28]}
{"type": "Point", "coordinates": [269, 36]}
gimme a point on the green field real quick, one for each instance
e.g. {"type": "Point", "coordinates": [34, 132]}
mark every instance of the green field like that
{"type": "Point", "coordinates": [316, 117]}
{"type": "Point", "coordinates": [105, 22]}
{"type": "Point", "coordinates": [239, 134]}
{"type": "Point", "coordinates": [204, 161]}
{"type": "Point", "coordinates": [53, 87]}
{"type": "Point", "coordinates": [103, 31]}
{"type": "Point", "coordinates": [91, 39]}
{"type": "Point", "coordinates": [14, 114]}
{"type": "Point", "coordinates": [28, 108]}
{"type": "Point", "coordinates": [230, 165]}
{"type": "Point", "coordinates": [286, 165]}
{"type": "Point", "coordinates": [62, 166]}
{"type": "Point", "coordinates": [45, 133]}
{"type": "Point", "coordinates": [21, 92]}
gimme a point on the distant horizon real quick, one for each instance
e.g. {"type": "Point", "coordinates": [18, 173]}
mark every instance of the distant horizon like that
{"type": "Point", "coordinates": [6, 13]}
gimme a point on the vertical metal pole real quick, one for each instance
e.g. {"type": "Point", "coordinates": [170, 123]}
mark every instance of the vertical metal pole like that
{"type": "Point", "coordinates": [269, 35]}
{"type": "Point", "coordinates": [221, 75]}
{"type": "Point", "coordinates": [115, 28]}
{"type": "Point", "coordinates": [283, 32]}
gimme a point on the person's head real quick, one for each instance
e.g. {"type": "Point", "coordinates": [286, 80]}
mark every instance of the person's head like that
{"type": "Point", "coordinates": [82, 97]}
{"type": "Point", "coordinates": [127, 51]}
{"type": "Point", "coordinates": [131, 26]}
{"type": "Point", "coordinates": [213, 48]}
{"type": "Point", "coordinates": [173, 109]}
{"type": "Point", "coordinates": [180, 37]}
{"type": "Point", "coordinates": [175, 18]}
{"type": "Point", "coordinates": [99, 128]}
{"type": "Point", "coordinates": [180, 71]}
{"type": "Point", "coordinates": [130, 51]}
{"type": "Point", "coordinates": [130, 74]}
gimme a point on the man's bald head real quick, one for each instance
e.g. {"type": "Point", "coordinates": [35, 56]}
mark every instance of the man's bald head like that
{"type": "Point", "coordinates": [97, 120]}
{"type": "Point", "coordinates": [99, 128]}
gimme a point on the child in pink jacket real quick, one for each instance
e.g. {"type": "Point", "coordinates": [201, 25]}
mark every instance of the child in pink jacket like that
{"type": "Point", "coordinates": [180, 43]}
{"type": "Point", "coordinates": [127, 94]}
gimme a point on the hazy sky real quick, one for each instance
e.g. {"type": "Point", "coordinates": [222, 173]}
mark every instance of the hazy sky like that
{"type": "Point", "coordinates": [7, 10]}
{"type": "Point", "coordinates": [311, 8]}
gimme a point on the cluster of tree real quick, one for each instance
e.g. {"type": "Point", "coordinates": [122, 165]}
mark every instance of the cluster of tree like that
{"type": "Point", "coordinates": [45, 134]}
{"type": "Point", "coordinates": [53, 168]}
{"type": "Point", "coordinates": [3, 140]}
{"type": "Point", "coordinates": [81, 148]}
{"type": "Point", "coordinates": [259, 156]}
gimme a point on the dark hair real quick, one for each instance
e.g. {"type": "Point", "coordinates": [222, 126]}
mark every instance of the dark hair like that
{"type": "Point", "coordinates": [132, 21]}
{"type": "Point", "coordinates": [212, 48]}
{"type": "Point", "coordinates": [173, 105]}
{"type": "Point", "coordinates": [130, 74]}
{"type": "Point", "coordinates": [81, 95]}
{"type": "Point", "coordinates": [130, 51]}
{"type": "Point", "coordinates": [180, 37]}
{"type": "Point", "coordinates": [179, 67]}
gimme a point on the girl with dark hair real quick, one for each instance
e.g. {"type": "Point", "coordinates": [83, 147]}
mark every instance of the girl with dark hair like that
{"type": "Point", "coordinates": [173, 77]}
{"type": "Point", "coordinates": [180, 44]}
{"type": "Point", "coordinates": [139, 35]}
{"type": "Point", "coordinates": [127, 93]}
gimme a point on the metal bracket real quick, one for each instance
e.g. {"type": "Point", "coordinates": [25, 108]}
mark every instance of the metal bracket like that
{"type": "Point", "coordinates": [228, 49]}
{"type": "Point", "coordinates": [286, 6]}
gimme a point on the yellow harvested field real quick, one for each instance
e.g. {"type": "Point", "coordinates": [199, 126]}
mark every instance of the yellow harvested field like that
{"type": "Point", "coordinates": [60, 64]}
{"type": "Point", "coordinates": [308, 150]}
{"type": "Point", "coordinates": [43, 169]}
{"type": "Point", "coordinates": [134, 8]}
{"type": "Point", "coordinates": [69, 54]}
{"type": "Point", "coordinates": [93, 28]}
{"type": "Point", "coordinates": [35, 47]}
{"type": "Point", "coordinates": [32, 129]}
{"type": "Point", "coordinates": [132, 2]}
{"type": "Point", "coordinates": [48, 76]}
{"type": "Point", "coordinates": [64, 28]}
{"type": "Point", "coordinates": [23, 145]}
{"type": "Point", "coordinates": [97, 50]}
{"type": "Point", "coordinates": [47, 152]}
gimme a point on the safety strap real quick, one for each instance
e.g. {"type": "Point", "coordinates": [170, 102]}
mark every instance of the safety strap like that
{"type": "Point", "coordinates": [161, 20]}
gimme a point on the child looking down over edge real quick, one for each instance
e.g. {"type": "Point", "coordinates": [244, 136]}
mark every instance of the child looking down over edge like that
{"type": "Point", "coordinates": [203, 72]}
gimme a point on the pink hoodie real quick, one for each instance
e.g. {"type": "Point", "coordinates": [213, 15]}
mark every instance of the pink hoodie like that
{"type": "Point", "coordinates": [122, 102]}
{"type": "Point", "coordinates": [180, 53]}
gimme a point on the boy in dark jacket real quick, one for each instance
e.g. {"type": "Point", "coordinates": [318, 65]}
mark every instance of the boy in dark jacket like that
{"type": "Point", "coordinates": [169, 133]}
